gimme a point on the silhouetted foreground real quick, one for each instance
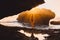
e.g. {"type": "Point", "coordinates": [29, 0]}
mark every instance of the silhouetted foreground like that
{"type": "Point", "coordinates": [12, 7]}
{"type": "Point", "coordinates": [11, 33]}
{"type": "Point", "coordinates": [7, 33]}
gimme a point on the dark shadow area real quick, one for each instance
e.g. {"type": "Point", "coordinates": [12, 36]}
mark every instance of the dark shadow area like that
{"type": "Point", "coordinates": [54, 36]}
{"type": "Point", "coordinates": [11, 33]}
{"type": "Point", "coordinates": [12, 7]}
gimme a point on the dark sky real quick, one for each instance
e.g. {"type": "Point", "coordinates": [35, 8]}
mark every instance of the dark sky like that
{"type": "Point", "coordinates": [12, 7]}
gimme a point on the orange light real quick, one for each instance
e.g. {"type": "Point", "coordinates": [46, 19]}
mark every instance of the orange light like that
{"type": "Point", "coordinates": [36, 16]}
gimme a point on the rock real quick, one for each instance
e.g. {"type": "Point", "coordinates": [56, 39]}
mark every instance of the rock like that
{"type": "Point", "coordinates": [11, 33]}
{"type": "Point", "coordinates": [12, 7]}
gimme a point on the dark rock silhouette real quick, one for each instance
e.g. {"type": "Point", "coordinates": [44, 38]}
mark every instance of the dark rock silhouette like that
{"type": "Point", "coordinates": [12, 7]}
{"type": "Point", "coordinates": [11, 33]}
{"type": "Point", "coordinates": [54, 36]}
{"type": "Point", "coordinates": [8, 33]}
